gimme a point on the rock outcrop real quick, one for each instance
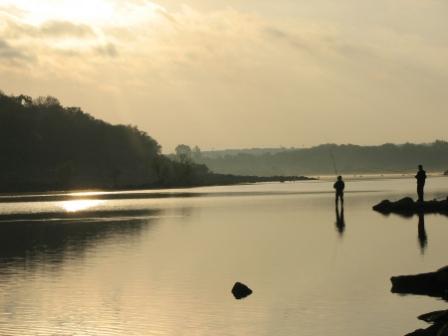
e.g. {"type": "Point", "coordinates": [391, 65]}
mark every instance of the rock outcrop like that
{"type": "Point", "coordinates": [407, 206]}
{"type": "Point", "coordinates": [439, 327]}
{"type": "Point", "coordinates": [432, 284]}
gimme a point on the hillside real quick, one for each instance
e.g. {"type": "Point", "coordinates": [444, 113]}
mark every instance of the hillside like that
{"type": "Point", "coordinates": [46, 146]}
{"type": "Point", "coordinates": [323, 159]}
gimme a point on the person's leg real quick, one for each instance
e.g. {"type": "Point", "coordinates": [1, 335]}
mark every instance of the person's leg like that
{"type": "Point", "coordinates": [340, 198]}
{"type": "Point", "coordinates": [420, 193]}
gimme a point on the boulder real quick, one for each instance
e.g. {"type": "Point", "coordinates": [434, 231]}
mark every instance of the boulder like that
{"type": "Point", "coordinates": [240, 291]}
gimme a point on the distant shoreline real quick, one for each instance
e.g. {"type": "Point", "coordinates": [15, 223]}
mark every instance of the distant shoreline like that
{"type": "Point", "coordinates": [210, 181]}
{"type": "Point", "coordinates": [376, 176]}
{"type": "Point", "coordinates": [226, 180]}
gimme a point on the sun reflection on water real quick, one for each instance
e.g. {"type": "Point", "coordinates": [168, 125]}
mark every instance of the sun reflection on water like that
{"type": "Point", "coordinates": [79, 205]}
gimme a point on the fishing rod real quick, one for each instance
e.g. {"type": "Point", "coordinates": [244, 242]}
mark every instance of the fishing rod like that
{"type": "Point", "coordinates": [334, 163]}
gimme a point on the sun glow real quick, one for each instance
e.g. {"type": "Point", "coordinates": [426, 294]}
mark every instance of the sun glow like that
{"type": "Point", "coordinates": [96, 13]}
{"type": "Point", "coordinates": [79, 205]}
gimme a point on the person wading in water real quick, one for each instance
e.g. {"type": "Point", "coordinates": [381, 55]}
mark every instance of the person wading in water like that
{"type": "Point", "coordinates": [339, 187]}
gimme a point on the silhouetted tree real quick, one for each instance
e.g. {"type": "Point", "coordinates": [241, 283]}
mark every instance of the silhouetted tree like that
{"type": "Point", "coordinates": [46, 146]}
{"type": "Point", "coordinates": [183, 153]}
{"type": "Point", "coordinates": [196, 154]}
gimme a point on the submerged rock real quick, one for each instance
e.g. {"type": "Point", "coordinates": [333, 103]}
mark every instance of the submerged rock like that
{"type": "Point", "coordinates": [407, 206]}
{"type": "Point", "coordinates": [240, 291]}
{"type": "Point", "coordinates": [432, 284]}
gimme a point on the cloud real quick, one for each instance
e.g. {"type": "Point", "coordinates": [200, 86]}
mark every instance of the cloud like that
{"type": "Point", "coordinates": [283, 35]}
{"type": "Point", "coordinates": [10, 53]}
{"type": "Point", "coordinates": [52, 41]}
{"type": "Point", "coordinates": [64, 29]}
{"type": "Point", "coordinates": [49, 29]}
{"type": "Point", "coordinates": [166, 15]}
{"type": "Point", "coordinates": [108, 49]}
{"type": "Point", "coordinates": [206, 69]}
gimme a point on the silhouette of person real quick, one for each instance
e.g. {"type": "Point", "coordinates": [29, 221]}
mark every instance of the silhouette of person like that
{"type": "Point", "coordinates": [339, 186]}
{"type": "Point", "coordinates": [421, 178]}
{"type": "Point", "coordinates": [340, 221]}
{"type": "Point", "coordinates": [422, 237]}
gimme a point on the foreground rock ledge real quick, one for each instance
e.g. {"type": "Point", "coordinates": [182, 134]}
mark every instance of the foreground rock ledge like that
{"type": "Point", "coordinates": [408, 206]}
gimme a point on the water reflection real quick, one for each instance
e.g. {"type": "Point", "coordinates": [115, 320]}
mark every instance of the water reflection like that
{"type": "Point", "coordinates": [27, 242]}
{"type": "Point", "coordinates": [422, 237]}
{"type": "Point", "coordinates": [79, 205]}
{"type": "Point", "coordinates": [130, 273]}
{"type": "Point", "coordinates": [340, 220]}
{"type": "Point", "coordinates": [421, 228]}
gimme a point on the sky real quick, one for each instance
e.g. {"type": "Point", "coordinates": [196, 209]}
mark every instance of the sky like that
{"type": "Point", "coordinates": [238, 73]}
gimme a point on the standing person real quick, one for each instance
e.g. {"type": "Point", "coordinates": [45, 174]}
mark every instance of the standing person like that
{"type": "Point", "coordinates": [339, 186]}
{"type": "Point", "coordinates": [421, 178]}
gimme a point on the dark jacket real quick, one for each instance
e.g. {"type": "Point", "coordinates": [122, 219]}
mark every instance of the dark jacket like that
{"type": "Point", "coordinates": [421, 177]}
{"type": "Point", "coordinates": [339, 186]}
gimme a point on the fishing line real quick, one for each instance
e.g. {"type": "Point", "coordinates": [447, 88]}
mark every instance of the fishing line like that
{"type": "Point", "coordinates": [334, 163]}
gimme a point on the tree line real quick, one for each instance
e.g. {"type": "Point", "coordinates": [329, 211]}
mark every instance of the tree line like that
{"type": "Point", "coordinates": [45, 146]}
{"type": "Point", "coordinates": [326, 159]}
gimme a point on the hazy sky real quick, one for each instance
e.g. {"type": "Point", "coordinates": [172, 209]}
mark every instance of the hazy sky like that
{"type": "Point", "coordinates": [238, 73]}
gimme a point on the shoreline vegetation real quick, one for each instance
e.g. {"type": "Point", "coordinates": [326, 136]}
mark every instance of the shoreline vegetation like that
{"type": "Point", "coordinates": [209, 180]}
{"type": "Point", "coordinates": [48, 147]}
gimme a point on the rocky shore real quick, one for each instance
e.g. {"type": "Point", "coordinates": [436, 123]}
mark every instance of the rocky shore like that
{"type": "Point", "coordinates": [407, 206]}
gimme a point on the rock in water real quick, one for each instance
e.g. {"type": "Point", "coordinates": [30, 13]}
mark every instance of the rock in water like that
{"type": "Point", "coordinates": [434, 330]}
{"type": "Point", "coordinates": [440, 316]}
{"type": "Point", "coordinates": [406, 206]}
{"type": "Point", "coordinates": [439, 327]}
{"type": "Point", "coordinates": [432, 284]}
{"type": "Point", "coordinates": [240, 291]}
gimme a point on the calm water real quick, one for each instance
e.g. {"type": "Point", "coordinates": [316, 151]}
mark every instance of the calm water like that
{"type": "Point", "coordinates": [163, 262]}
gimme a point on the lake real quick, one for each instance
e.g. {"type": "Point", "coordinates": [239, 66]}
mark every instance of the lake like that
{"type": "Point", "coordinates": [163, 262]}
